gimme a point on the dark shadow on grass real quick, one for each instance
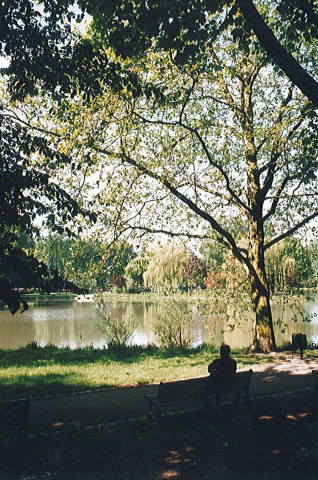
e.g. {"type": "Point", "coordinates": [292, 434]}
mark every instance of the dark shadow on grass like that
{"type": "Point", "coordinates": [33, 355]}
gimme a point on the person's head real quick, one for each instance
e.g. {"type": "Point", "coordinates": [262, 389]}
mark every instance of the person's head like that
{"type": "Point", "coordinates": [225, 351]}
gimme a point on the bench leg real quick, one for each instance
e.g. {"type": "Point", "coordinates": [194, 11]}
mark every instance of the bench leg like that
{"type": "Point", "coordinates": [149, 406]}
{"type": "Point", "coordinates": [236, 400]}
{"type": "Point", "coordinates": [152, 409]}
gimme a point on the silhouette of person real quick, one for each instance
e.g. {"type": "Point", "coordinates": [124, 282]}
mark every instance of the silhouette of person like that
{"type": "Point", "coordinates": [220, 369]}
{"type": "Point", "coordinates": [225, 366]}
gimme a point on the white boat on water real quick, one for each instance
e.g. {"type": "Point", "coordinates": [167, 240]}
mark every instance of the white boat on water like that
{"type": "Point", "coordinates": [85, 298]}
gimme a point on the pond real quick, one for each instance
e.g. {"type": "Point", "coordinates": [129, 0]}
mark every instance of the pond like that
{"type": "Point", "coordinates": [75, 325]}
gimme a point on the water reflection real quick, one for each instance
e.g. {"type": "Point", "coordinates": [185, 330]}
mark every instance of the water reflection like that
{"type": "Point", "coordinates": [75, 325]}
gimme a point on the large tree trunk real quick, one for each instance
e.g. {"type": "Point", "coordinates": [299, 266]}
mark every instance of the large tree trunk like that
{"type": "Point", "coordinates": [264, 339]}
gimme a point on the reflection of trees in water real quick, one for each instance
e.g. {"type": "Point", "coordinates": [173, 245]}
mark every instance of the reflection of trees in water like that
{"type": "Point", "coordinates": [73, 326]}
{"type": "Point", "coordinates": [220, 331]}
{"type": "Point", "coordinates": [76, 325]}
{"type": "Point", "coordinates": [287, 327]}
{"type": "Point", "coordinates": [15, 331]}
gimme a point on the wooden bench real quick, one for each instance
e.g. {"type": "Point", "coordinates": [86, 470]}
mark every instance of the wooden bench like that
{"type": "Point", "coordinates": [14, 418]}
{"type": "Point", "coordinates": [189, 392]}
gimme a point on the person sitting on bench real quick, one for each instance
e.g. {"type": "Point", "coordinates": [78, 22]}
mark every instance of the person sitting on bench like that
{"type": "Point", "coordinates": [220, 369]}
{"type": "Point", "coordinates": [225, 366]}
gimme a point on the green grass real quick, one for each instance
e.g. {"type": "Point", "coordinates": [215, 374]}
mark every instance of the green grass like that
{"type": "Point", "coordinates": [33, 371]}
{"type": "Point", "coordinates": [48, 299]}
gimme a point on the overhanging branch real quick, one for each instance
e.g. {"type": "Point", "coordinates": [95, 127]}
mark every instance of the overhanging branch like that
{"type": "Point", "coordinates": [184, 199]}
{"type": "Point", "coordinates": [214, 164]}
{"type": "Point", "coordinates": [294, 71]}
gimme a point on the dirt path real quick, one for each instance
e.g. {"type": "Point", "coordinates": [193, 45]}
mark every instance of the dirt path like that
{"type": "Point", "coordinates": [76, 411]}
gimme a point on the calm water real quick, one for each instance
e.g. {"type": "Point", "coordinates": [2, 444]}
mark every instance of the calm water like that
{"type": "Point", "coordinates": [75, 325]}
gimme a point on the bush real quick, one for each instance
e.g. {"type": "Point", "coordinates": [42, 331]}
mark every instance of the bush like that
{"type": "Point", "coordinates": [117, 332]}
{"type": "Point", "coordinates": [172, 325]}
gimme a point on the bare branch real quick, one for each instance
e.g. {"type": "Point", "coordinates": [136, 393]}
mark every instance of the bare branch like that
{"type": "Point", "coordinates": [291, 230]}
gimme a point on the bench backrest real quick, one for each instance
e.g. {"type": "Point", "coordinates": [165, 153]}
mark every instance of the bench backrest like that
{"type": "Point", "coordinates": [193, 387]}
{"type": "Point", "coordinates": [240, 382]}
{"type": "Point", "coordinates": [180, 389]}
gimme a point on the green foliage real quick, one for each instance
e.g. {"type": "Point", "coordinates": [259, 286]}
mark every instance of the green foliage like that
{"type": "Point", "coordinates": [88, 262]}
{"type": "Point", "coordinates": [20, 268]}
{"type": "Point", "coordinates": [184, 28]}
{"type": "Point", "coordinates": [135, 270]}
{"type": "Point", "coordinates": [27, 190]}
{"type": "Point", "coordinates": [212, 254]}
{"type": "Point", "coordinates": [173, 325]}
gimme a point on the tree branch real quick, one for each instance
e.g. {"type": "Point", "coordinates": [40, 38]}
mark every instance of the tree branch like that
{"type": "Point", "coordinates": [235, 197]}
{"type": "Point", "coordinates": [294, 71]}
{"type": "Point", "coordinates": [184, 199]}
{"type": "Point", "coordinates": [186, 100]}
{"type": "Point", "coordinates": [169, 232]}
{"type": "Point", "coordinates": [226, 90]}
{"type": "Point", "coordinates": [13, 115]}
{"type": "Point", "coordinates": [276, 153]}
{"type": "Point", "coordinates": [278, 195]}
{"type": "Point", "coordinates": [278, 120]}
{"type": "Point", "coordinates": [291, 230]}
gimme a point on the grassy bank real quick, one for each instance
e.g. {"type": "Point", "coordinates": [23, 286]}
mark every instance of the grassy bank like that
{"type": "Point", "coordinates": [33, 371]}
{"type": "Point", "coordinates": [48, 299]}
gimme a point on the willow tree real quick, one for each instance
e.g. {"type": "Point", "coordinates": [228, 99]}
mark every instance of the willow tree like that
{"type": "Point", "coordinates": [166, 266]}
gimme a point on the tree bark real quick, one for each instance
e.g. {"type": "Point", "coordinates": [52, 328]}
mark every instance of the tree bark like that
{"type": "Point", "coordinates": [264, 338]}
